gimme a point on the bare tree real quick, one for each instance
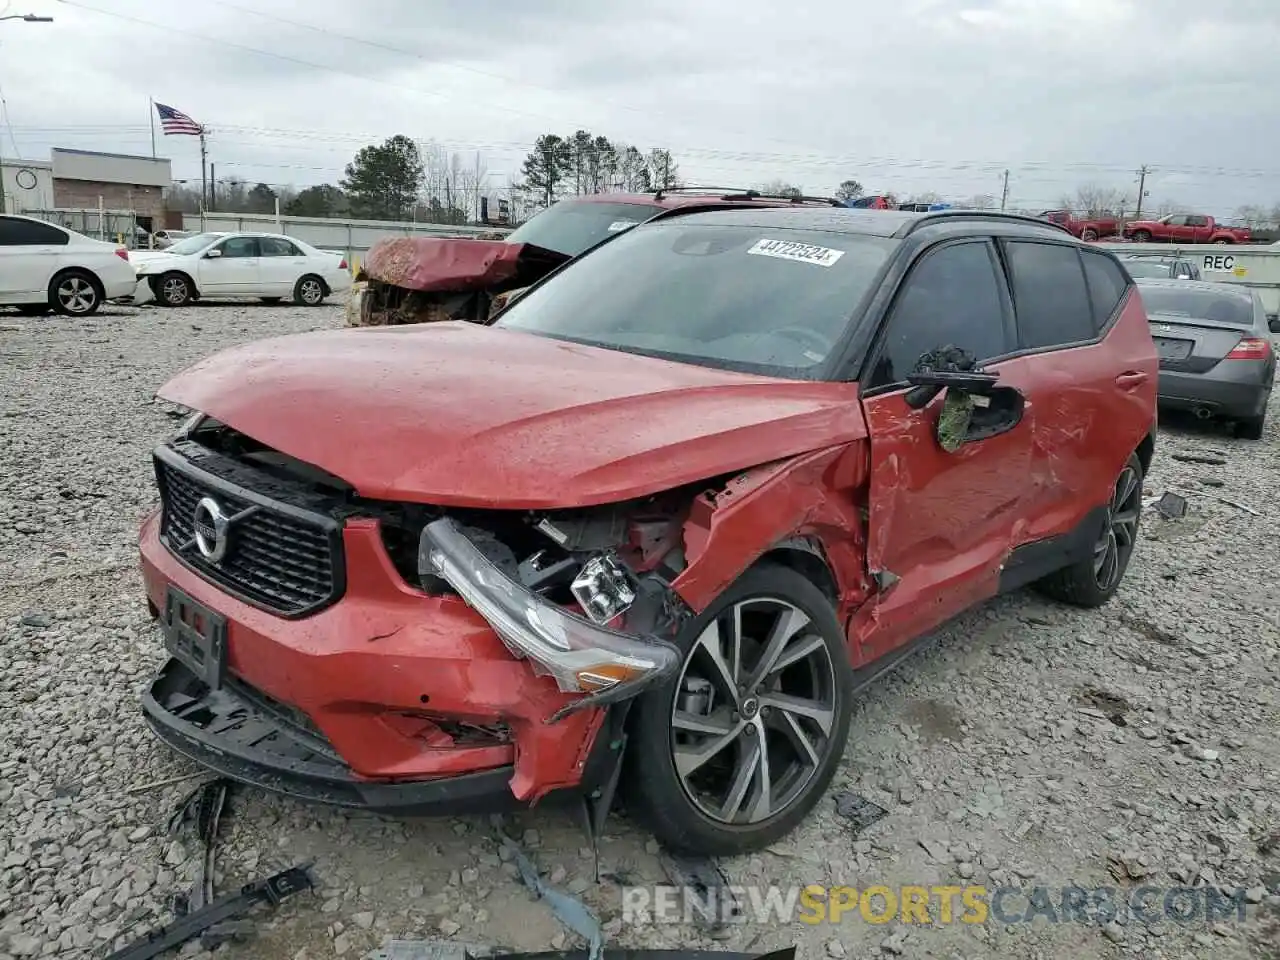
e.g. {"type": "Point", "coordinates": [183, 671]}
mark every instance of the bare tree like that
{"type": "Point", "coordinates": [1167, 207]}
{"type": "Point", "coordinates": [981, 201]}
{"type": "Point", "coordinates": [1094, 200]}
{"type": "Point", "coordinates": [780, 188]}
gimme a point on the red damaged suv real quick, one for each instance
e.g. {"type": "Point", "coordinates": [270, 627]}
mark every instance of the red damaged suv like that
{"type": "Point", "coordinates": [655, 525]}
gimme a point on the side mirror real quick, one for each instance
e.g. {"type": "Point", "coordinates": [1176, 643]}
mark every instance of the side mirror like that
{"type": "Point", "coordinates": [213, 254]}
{"type": "Point", "coordinates": [929, 383]}
{"type": "Point", "coordinates": [1274, 324]}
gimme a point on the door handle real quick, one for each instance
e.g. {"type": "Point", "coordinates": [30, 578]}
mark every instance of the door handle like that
{"type": "Point", "coordinates": [1130, 379]}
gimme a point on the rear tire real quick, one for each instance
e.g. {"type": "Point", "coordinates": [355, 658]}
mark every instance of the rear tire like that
{"type": "Point", "coordinates": [1093, 581]}
{"type": "Point", "coordinates": [799, 712]}
{"type": "Point", "coordinates": [75, 293]}
{"type": "Point", "coordinates": [309, 291]}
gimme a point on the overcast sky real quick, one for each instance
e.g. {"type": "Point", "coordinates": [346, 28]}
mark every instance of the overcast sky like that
{"type": "Point", "coordinates": [909, 95]}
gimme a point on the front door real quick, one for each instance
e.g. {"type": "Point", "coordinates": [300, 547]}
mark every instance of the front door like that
{"type": "Point", "coordinates": [235, 273]}
{"type": "Point", "coordinates": [940, 524]}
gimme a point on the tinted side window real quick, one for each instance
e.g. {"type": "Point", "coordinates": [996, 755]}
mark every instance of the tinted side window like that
{"type": "Point", "coordinates": [1107, 284]}
{"type": "Point", "coordinates": [951, 298]}
{"type": "Point", "coordinates": [276, 247]}
{"type": "Point", "coordinates": [15, 232]}
{"type": "Point", "coordinates": [240, 247]}
{"type": "Point", "coordinates": [1050, 299]}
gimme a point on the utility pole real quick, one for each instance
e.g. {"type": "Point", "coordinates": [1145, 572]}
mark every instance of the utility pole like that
{"type": "Point", "coordinates": [204, 176]}
{"type": "Point", "coordinates": [1004, 193]}
{"type": "Point", "coordinates": [1142, 189]}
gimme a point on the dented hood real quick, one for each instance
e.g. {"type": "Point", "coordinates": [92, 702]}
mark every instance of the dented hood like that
{"type": "Point", "coordinates": [455, 265]}
{"type": "Point", "coordinates": [463, 415]}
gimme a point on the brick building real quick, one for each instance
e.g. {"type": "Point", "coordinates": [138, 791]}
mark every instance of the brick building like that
{"type": "Point", "coordinates": [123, 182]}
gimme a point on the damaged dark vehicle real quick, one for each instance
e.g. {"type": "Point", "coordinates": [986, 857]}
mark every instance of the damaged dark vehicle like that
{"type": "Point", "coordinates": [661, 534]}
{"type": "Point", "coordinates": [429, 279]}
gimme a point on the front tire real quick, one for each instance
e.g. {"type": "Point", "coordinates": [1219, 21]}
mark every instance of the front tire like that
{"type": "Point", "coordinates": [174, 290]}
{"type": "Point", "coordinates": [1093, 581]}
{"type": "Point", "coordinates": [1141, 236]}
{"type": "Point", "coordinates": [734, 752]}
{"type": "Point", "coordinates": [309, 291]}
{"type": "Point", "coordinates": [75, 293]}
{"type": "Point", "coordinates": [1089, 235]}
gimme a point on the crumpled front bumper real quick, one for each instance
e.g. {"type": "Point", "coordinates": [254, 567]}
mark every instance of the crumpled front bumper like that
{"type": "Point", "coordinates": [370, 674]}
{"type": "Point", "coordinates": [243, 734]}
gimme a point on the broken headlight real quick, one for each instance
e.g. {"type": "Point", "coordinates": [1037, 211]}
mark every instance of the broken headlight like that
{"type": "Point", "coordinates": [603, 588]}
{"type": "Point", "coordinates": [584, 657]}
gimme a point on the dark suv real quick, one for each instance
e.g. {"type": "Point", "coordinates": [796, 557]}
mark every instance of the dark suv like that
{"type": "Point", "coordinates": [664, 516]}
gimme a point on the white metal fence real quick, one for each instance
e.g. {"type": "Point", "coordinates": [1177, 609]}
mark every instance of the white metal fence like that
{"type": "Point", "coordinates": [350, 237]}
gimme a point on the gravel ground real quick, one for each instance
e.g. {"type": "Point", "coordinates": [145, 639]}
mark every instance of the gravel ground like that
{"type": "Point", "coordinates": [1034, 745]}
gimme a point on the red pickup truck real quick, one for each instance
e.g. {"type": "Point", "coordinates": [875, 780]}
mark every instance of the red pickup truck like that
{"type": "Point", "coordinates": [1185, 228]}
{"type": "Point", "coordinates": [1086, 228]}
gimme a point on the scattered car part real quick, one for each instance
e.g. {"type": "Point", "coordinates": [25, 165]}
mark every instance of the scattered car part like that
{"type": "Point", "coordinates": [1199, 458]}
{"type": "Point", "coordinates": [270, 891]}
{"type": "Point", "coordinates": [858, 810]}
{"type": "Point", "coordinates": [568, 909]}
{"type": "Point", "coordinates": [394, 948]}
{"type": "Point", "coordinates": [1171, 506]}
{"type": "Point", "coordinates": [702, 878]}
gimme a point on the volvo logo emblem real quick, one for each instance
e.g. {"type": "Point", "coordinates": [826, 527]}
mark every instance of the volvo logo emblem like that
{"type": "Point", "coordinates": [211, 529]}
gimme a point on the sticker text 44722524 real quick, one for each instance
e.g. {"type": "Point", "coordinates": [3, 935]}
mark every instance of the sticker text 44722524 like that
{"type": "Point", "coordinates": [799, 252]}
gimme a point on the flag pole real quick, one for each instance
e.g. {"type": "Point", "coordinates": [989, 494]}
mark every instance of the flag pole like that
{"type": "Point", "coordinates": [151, 112]}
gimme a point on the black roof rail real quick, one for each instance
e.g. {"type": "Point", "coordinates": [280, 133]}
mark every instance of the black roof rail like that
{"type": "Point", "coordinates": [941, 215]}
{"type": "Point", "coordinates": [740, 193]}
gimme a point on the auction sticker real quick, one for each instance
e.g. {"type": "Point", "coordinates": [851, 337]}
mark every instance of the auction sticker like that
{"type": "Point", "coordinates": [799, 252]}
{"type": "Point", "coordinates": [620, 225]}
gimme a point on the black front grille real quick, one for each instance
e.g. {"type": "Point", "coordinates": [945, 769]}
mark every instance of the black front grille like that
{"type": "Point", "coordinates": [280, 557]}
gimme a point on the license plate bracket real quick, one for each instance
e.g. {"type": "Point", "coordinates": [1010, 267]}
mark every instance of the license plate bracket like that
{"type": "Point", "coordinates": [1169, 348]}
{"type": "Point", "coordinates": [196, 636]}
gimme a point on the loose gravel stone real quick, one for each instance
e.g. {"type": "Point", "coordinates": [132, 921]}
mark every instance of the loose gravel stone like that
{"type": "Point", "coordinates": [1043, 743]}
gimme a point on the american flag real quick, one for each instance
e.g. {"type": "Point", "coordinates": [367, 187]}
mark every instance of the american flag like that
{"type": "Point", "coordinates": [175, 121]}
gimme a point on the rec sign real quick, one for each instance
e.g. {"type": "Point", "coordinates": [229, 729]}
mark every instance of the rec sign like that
{"type": "Point", "coordinates": [1219, 262]}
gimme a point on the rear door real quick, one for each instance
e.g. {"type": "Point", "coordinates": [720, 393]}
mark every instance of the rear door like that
{"type": "Point", "coordinates": [1087, 367]}
{"type": "Point", "coordinates": [939, 523]}
{"type": "Point", "coordinates": [282, 265]}
{"type": "Point", "coordinates": [1198, 229]}
{"type": "Point", "coordinates": [29, 252]}
{"type": "Point", "coordinates": [236, 273]}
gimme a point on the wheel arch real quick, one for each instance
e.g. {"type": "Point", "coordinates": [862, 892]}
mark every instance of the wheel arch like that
{"type": "Point", "coordinates": [1146, 450]}
{"type": "Point", "coordinates": [802, 512]}
{"type": "Point", "coordinates": [806, 556]}
{"type": "Point", "coordinates": [89, 272]}
{"type": "Point", "coordinates": [191, 281]}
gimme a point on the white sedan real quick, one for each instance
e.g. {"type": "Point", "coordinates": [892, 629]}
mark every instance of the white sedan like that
{"type": "Point", "coordinates": [211, 266]}
{"type": "Point", "coordinates": [44, 266]}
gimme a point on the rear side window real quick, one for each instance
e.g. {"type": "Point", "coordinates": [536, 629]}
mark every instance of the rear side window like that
{"type": "Point", "coordinates": [1107, 285]}
{"type": "Point", "coordinates": [277, 247]}
{"type": "Point", "coordinates": [15, 232]}
{"type": "Point", "coordinates": [1050, 298]}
